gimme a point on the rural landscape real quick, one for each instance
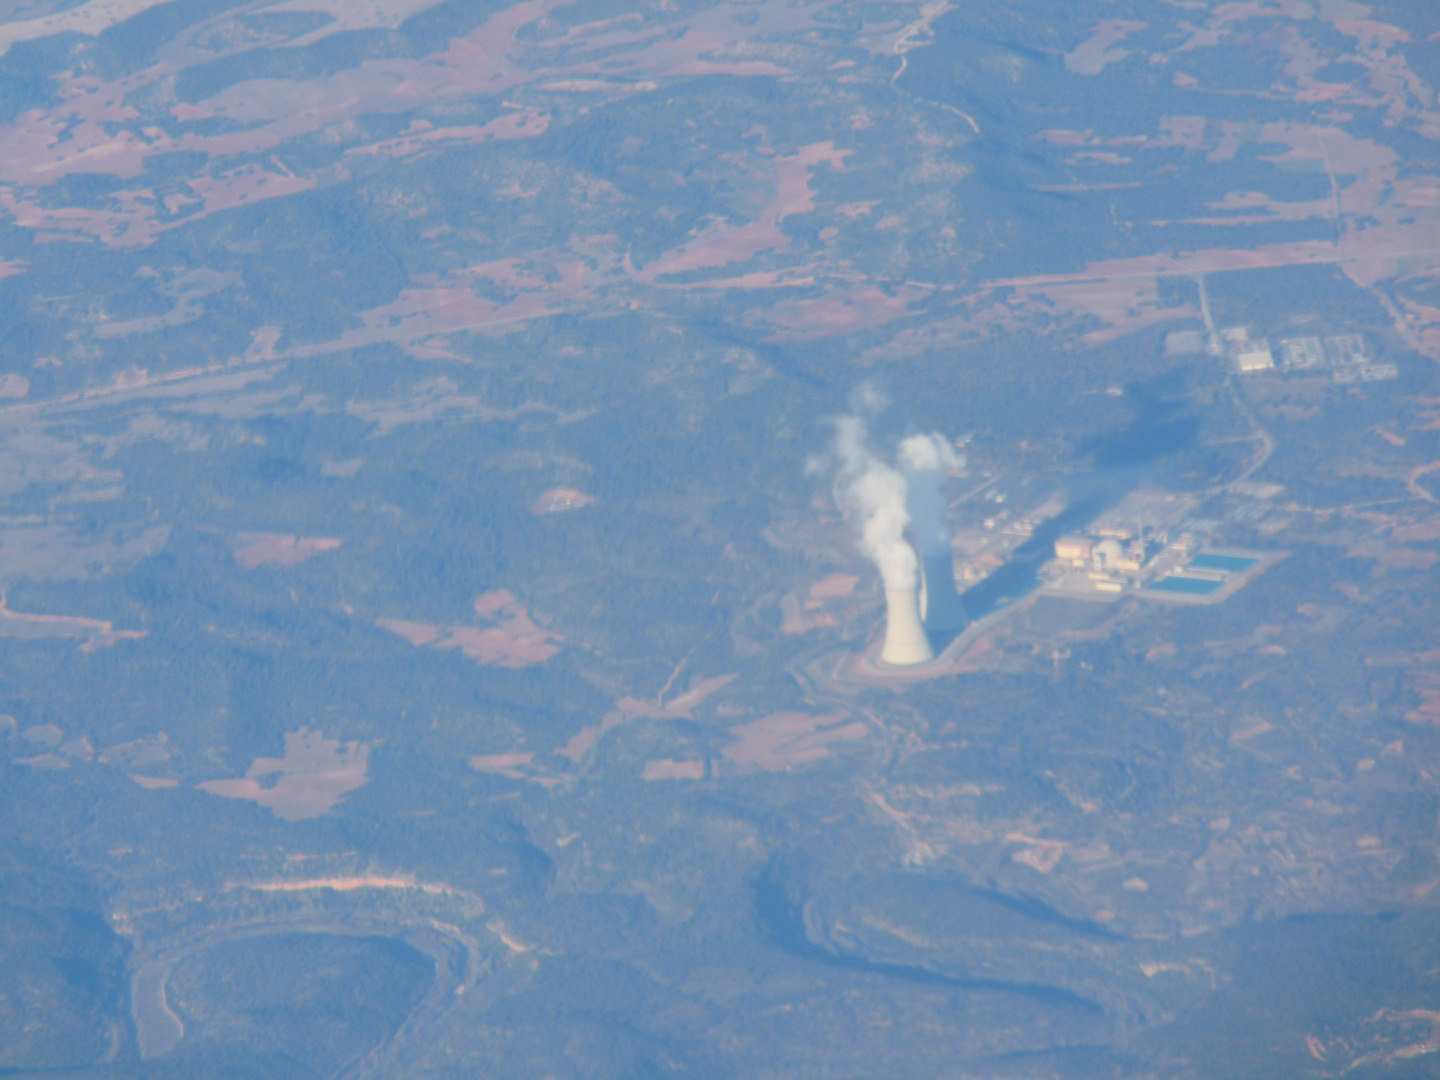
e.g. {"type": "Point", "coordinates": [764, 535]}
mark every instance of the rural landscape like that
{"type": "Point", "coordinates": [455, 548]}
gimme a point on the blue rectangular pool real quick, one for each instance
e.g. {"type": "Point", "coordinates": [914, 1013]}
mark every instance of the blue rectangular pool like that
{"type": "Point", "coordinates": [1195, 586]}
{"type": "Point", "coordinates": [1230, 563]}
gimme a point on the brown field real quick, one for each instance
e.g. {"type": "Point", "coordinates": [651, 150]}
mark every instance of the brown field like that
{"type": "Point", "coordinates": [1420, 532]}
{"type": "Point", "coordinates": [93, 130]}
{"type": "Point", "coordinates": [282, 550]}
{"type": "Point", "coordinates": [505, 764]}
{"type": "Point", "coordinates": [311, 778]}
{"type": "Point", "coordinates": [45, 761]}
{"type": "Point", "coordinates": [1382, 238]}
{"type": "Point", "coordinates": [97, 633]}
{"type": "Point", "coordinates": [833, 587]}
{"type": "Point", "coordinates": [133, 220]}
{"type": "Point", "coordinates": [628, 708]}
{"type": "Point", "coordinates": [1091, 55]}
{"type": "Point", "coordinates": [413, 632]}
{"type": "Point", "coordinates": [796, 622]}
{"type": "Point", "coordinates": [525, 124]}
{"type": "Point", "coordinates": [451, 306]}
{"type": "Point", "coordinates": [581, 742]}
{"type": "Point", "coordinates": [1124, 305]}
{"type": "Point", "coordinates": [683, 705]}
{"type": "Point", "coordinates": [1041, 855]}
{"type": "Point", "coordinates": [784, 740]}
{"type": "Point", "coordinates": [153, 783]}
{"type": "Point", "coordinates": [514, 642]}
{"type": "Point", "coordinates": [1395, 558]}
{"type": "Point", "coordinates": [841, 310]}
{"type": "Point", "coordinates": [87, 18]}
{"type": "Point", "coordinates": [813, 616]}
{"type": "Point", "coordinates": [723, 243]}
{"type": "Point", "coordinates": [666, 769]}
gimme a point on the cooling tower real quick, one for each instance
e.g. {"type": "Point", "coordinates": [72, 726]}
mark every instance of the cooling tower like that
{"type": "Point", "coordinates": [905, 640]}
{"type": "Point", "coordinates": [943, 610]}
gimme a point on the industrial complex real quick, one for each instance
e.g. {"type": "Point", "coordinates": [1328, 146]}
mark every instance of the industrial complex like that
{"type": "Point", "coordinates": [1142, 547]}
{"type": "Point", "coordinates": [1148, 546]}
{"type": "Point", "coordinates": [1343, 356]}
{"type": "Point", "coordinates": [1179, 570]}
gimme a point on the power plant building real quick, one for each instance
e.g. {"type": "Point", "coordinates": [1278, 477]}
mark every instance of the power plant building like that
{"type": "Point", "coordinates": [1254, 356]}
{"type": "Point", "coordinates": [1073, 549]}
{"type": "Point", "coordinates": [1346, 349]}
{"type": "Point", "coordinates": [1107, 555]}
{"type": "Point", "coordinates": [1301, 353]}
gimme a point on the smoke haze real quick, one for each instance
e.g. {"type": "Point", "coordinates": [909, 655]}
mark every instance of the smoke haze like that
{"type": "Point", "coordinates": [876, 494]}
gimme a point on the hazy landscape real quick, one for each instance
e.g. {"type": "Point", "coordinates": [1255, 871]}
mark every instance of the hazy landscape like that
{"type": "Point", "coordinates": [464, 468]}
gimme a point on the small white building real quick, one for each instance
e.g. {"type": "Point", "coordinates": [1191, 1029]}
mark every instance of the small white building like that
{"type": "Point", "coordinates": [1254, 356]}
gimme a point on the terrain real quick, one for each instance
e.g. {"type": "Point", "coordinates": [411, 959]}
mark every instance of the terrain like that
{"type": "Point", "coordinates": [428, 630]}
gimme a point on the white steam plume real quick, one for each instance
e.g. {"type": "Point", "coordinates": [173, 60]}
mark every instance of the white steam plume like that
{"type": "Point", "coordinates": [875, 493]}
{"type": "Point", "coordinates": [925, 458]}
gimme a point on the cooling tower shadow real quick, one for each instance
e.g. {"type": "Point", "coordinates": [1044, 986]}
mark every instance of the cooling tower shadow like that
{"type": "Point", "coordinates": [1021, 574]}
{"type": "Point", "coordinates": [940, 639]}
{"type": "Point", "coordinates": [1122, 460]}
